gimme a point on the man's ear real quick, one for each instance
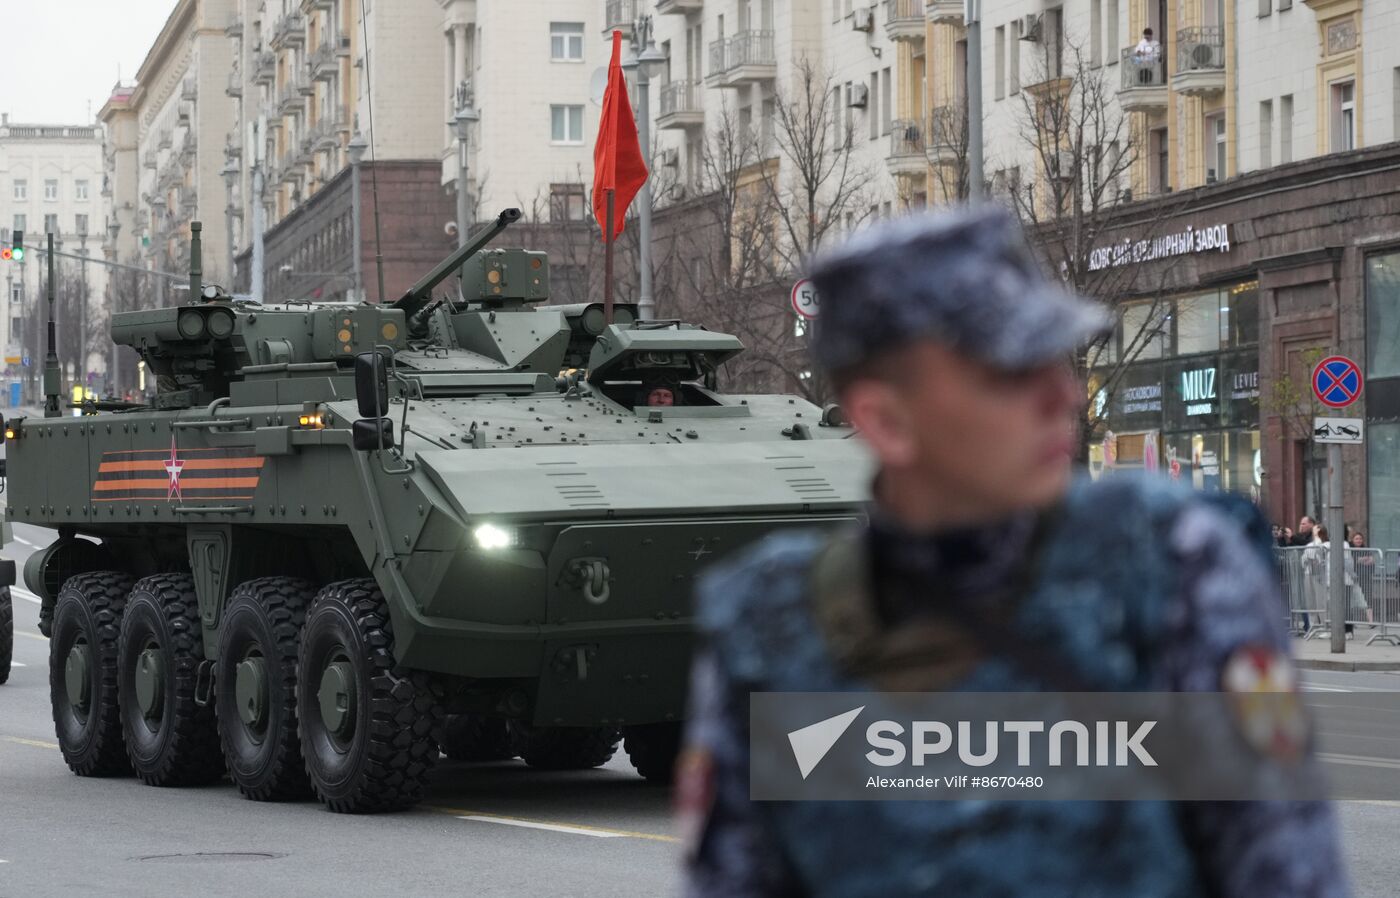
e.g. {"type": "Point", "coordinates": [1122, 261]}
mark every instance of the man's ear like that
{"type": "Point", "coordinates": [881, 415]}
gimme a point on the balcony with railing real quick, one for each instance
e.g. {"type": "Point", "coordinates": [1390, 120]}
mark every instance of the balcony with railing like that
{"type": "Point", "coordinates": [325, 64]}
{"type": "Point", "coordinates": [618, 15]}
{"type": "Point", "coordinates": [1144, 84]}
{"type": "Point", "coordinates": [233, 143]}
{"type": "Point", "coordinates": [746, 58]}
{"type": "Point", "coordinates": [290, 31]}
{"type": "Point", "coordinates": [189, 88]}
{"type": "Point", "coordinates": [944, 12]}
{"type": "Point", "coordinates": [677, 7]}
{"type": "Point", "coordinates": [165, 140]}
{"type": "Point", "coordinates": [906, 148]}
{"type": "Point", "coordinates": [681, 105]}
{"type": "Point", "coordinates": [265, 68]}
{"type": "Point", "coordinates": [1200, 61]}
{"type": "Point", "coordinates": [233, 25]}
{"type": "Point", "coordinates": [292, 99]}
{"type": "Point", "coordinates": [148, 159]}
{"type": "Point", "coordinates": [235, 84]}
{"type": "Point", "coordinates": [309, 5]}
{"type": "Point", "coordinates": [945, 135]}
{"type": "Point", "coordinates": [904, 20]}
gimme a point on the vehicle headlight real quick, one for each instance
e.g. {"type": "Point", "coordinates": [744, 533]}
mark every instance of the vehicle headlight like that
{"type": "Point", "coordinates": [490, 536]}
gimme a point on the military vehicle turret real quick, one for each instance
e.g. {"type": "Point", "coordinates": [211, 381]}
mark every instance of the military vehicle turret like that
{"type": "Point", "coordinates": [346, 535]}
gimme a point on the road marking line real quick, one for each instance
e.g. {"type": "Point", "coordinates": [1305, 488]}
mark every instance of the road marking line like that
{"type": "Point", "coordinates": [32, 635]}
{"type": "Point", "coordinates": [18, 664]}
{"type": "Point", "coordinates": [20, 539]}
{"type": "Point", "coordinates": [1384, 804]}
{"type": "Point", "coordinates": [552, 827]}
{"type": "Point", "coordinates": [32, 743]}
{"type": "Point", "coordinates": [26, 595]}
{"type": "Point", "coordinates": [1358, 760]}
{"type": "Point", "coordinates": [575, 828]}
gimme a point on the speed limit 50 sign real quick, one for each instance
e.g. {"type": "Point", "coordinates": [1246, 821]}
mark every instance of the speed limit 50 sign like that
{"type": "Point", "coordinates": [804, 298]}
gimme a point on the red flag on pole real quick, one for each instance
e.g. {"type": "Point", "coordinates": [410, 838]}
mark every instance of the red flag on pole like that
{"type": "Point", "coordinates": [617, 156]}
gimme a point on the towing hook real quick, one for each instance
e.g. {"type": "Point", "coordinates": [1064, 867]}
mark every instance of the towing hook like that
{"type": "Point", "coordinates": [592, 576]}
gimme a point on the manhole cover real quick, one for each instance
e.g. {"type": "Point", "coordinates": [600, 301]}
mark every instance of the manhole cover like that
{"type": "Point", "coordinates": [211, 857]}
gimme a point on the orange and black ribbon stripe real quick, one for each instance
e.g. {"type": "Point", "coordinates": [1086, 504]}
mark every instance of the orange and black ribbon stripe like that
{"type": "Point", "coordinates": [139, 474]}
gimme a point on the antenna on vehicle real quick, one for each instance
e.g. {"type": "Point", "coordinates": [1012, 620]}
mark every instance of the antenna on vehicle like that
{"type": "Point", "coordinates": [196, 261]}
{"type": "Point", "coordinates": [373, 178]}
{"type": "Point", "coordinates": [52, 375]}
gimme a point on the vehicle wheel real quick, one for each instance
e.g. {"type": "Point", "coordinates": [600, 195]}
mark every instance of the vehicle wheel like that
{"type": "Point", "coordinates": [564, 748]}
{"type": "Point", "coordinates": [170, 740]}
{"type": "Point", "coordinates": [255, 680]}
{"type": "Point", "coordinates": [366, 724]}
{"type": "Point", "coordinates": [83, 672]}
{"type": "Point", "coordinates": [652, 748]}
{"type": "Point", "coordinates": [473, 737]}
{"type": "Point", "coordinates": [7, 633]}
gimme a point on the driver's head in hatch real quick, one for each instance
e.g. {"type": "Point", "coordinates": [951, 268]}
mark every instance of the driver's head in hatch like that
{"type": "Point", "coordinates": [661, 396]}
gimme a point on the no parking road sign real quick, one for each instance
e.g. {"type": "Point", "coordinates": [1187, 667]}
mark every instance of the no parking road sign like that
{"type": "Point", "coordinates": [1337, 381]}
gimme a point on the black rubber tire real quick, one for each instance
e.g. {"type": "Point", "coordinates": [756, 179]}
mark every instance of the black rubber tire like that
{"type": "Point", "coordinates": [652, 748]}
{"type": "Point", "coordinates": [264, 618]}
{"type": "Point", "coordinates": [564, 748]}
{"type": "Point", "coordinates": [7, 634]}
{"type": "Point", "coordinates": [181, 748]}
{"type": "Point", "coordinates": [89, 607]}
{"type": "Point", "coordinates": [383, 760]}
{"type": "Point", "coordinates": [476, 738]}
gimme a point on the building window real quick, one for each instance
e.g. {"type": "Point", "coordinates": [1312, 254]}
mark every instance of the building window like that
{"type": "Point", "coordinates": [80, 191]}
{"type": "Point", "coordinates": [1343, 116]}
{"type": "Point", "coordinates": [19, 222]}
{"type": "Point", "coordinates": [566, 41]}
{"type": "Point", "coordinates": [16, 297]}
{"type": "Point", "coordinates": [1014, 51]}
{"type": "Point", "coordinates": [1096, 32]}
{"type": "Point", "coordinates": [21, 189]}
{"type": "Point", "coordinates": [1198, 323]}
{"type": "Point", "coordinates": [872, 109]}
{"type": "Point", "coordinates": [1215, 148]}
{"type": "Point", "coordinates": [999, 62]}
{"type": "Point", "coordinates": [1383, 315]}
{"type": "Point", "coordinates": [1053, 34]}
{"type": "Point", "coordinates": [1395, 105]}
{"type": "Point", "coordinates": [566, 124]}
{"type": "Point", "coordinates": [1160, 149]}
{"type": "Point", "coordinates": [1285, 128]}
{"type": "Point", "coordinates": [886, 102]}
{"type": "Point", "coordinates": [51, 224]}
{"type": "Point", "coordinates": [567, 202]}
{"type": "Point", "coordinates": [51, 190]}
{"type": "Point", "coordinates": [1112, 31]}
{"type": "Point", "coordinates": [1266, 133]}
{"type": "Point", "coordinates": [81, 224]}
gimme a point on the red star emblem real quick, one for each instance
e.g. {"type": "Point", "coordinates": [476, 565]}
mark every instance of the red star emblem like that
{"type": "Point", "coordinates": [173, 466]}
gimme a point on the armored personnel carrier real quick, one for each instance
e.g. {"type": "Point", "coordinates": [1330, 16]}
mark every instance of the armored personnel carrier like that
{"type": "Point", "coordinates": [345, 536]}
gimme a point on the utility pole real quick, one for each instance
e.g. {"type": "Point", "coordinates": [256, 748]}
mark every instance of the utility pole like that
{"type": "Point", "coordinates": [644, 56]}
{"type": "Point", "coordinates": [1336, 531]}
{"type": "Point", "coordinates": [255, 283]}
{"type": "Point", "coordinates": [356, 150]}
{"type": "Point", "coordinates": [972, 17]}
{"type": "Point", "coordinates": [461, 125]}
{"type": "Point", "coordinates": [81, 373]}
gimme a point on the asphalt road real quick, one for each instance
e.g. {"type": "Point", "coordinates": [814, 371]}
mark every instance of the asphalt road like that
{"type": "Point", "coordinates": [497, 829]}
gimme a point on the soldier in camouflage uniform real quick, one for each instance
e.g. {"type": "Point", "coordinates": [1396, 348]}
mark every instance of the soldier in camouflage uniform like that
{"type": "Point", "coordinates": [985, 567]}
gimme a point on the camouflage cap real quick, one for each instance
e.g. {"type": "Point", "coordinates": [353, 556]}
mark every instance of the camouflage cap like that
{"type": "Point", "coordinates": [965, 278]}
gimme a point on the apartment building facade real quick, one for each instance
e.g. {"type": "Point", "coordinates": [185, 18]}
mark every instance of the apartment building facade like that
{"type": "Point", "coordinates": [167, 133]}
{"type": "Point", "coordinates": [51, 182]}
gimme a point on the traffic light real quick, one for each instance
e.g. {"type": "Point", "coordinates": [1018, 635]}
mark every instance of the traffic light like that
{"type": "Point", "coordinates": [14, 252]}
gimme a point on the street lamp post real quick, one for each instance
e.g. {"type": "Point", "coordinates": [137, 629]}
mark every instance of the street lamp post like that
{"type": "Point", "coordinates": [644, 55]}
{"type": "Point", "coordinates": [461, 126]}
{"type": "Point", "coordinates": [113, 228]}
{"type": "Point", "coordinates": [356, 150]}
{"type": "Point", "coordinates": [230, 172]}
{"type": "Point", "coordinates": [82, 369]}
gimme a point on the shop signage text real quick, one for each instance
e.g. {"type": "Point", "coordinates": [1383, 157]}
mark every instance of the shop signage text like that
{"type": "Point", "coordinates": [1142, 399]}
{"type": "Point", "coordinates": [1191, 240]}
{"type": "Point", "coordinates": [1198, 391]}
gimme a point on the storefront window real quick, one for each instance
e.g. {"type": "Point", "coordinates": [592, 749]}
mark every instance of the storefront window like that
{"type": "Point", "coordinates": [1193, 394]}
{"type": "Point", "coordinates": [1383, 315]}
{"type": "Point", "coordinates": [1383, 475]}
{"type": "Point", "coordinates": [1239, 389]}
{"type": "Point", "coordinates": [1145, 331]}
{"type": "Point", "coordinates": [1239, 316]}
{"type": "Point", "coordinates": [1198, 323]}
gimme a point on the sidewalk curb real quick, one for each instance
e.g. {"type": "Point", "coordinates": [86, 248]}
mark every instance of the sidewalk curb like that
{"type": "Point", "coordinates": [1352, 666]}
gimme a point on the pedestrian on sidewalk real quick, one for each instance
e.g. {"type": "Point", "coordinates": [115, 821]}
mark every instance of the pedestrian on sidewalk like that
{"type": "Point", "coordinates": [985, 566]}
{"type": "Point", "coordinates": [1304, 536]}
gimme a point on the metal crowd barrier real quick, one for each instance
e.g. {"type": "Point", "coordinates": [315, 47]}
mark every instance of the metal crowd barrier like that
{"type": "Point", "coordinates": [1371, 583]}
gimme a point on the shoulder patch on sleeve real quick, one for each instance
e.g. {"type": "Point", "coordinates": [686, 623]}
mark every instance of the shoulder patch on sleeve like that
{"type": "Point", "coordinates": [1262, 689]}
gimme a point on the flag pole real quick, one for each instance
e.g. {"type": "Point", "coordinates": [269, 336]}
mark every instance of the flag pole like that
{"type": "Point", "coordinates": [608, 264]}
